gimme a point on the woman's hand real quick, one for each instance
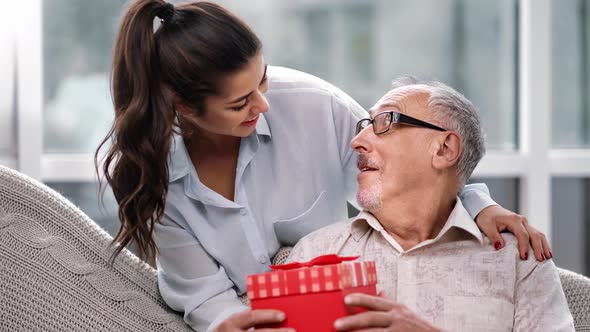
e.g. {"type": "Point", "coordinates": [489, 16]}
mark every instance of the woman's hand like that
{"type": "Point", "coordinates": [495, 219]}
{"type": "Point", "coordinates": [248, 319]}
{"type": "Point", "coordinates": [383, 315]}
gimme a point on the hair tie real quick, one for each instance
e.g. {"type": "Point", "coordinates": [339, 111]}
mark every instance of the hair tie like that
{"type": "Point", "coordinates": [166, 12]}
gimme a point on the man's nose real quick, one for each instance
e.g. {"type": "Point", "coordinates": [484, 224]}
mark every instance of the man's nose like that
{"type": "Point", "coordinates": [361, 142]}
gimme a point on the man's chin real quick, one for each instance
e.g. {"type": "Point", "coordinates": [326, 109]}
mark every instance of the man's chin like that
{"type": "Point", "coordinates": [369, 200]}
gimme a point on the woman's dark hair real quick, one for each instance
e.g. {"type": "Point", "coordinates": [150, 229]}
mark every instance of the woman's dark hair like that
{"type": "Point", "coordinates": [196, 44]}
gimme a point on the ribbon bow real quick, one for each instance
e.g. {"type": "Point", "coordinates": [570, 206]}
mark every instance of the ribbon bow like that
{"type": "Point", "coordinates": [320, 260]}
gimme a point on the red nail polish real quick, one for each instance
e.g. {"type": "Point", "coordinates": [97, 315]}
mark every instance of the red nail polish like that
{"type": "Point", "coordinates": [526, 256]}
{"type": "Point", "coordinates": [497, 245]}
{"type": "Point", "coordinates": [550, 254]}
{"type": "Point", "coordinates": [543, 257]}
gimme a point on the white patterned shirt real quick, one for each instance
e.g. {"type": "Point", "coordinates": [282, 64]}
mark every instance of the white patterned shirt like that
{"type": "Point", "coordinates": [456, 281]}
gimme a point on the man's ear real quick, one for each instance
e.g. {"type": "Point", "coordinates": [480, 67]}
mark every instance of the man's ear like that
{"type": "Point", "coordinates": [448, 151]}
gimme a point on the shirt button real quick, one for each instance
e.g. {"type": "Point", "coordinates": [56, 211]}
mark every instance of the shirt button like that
{"type": "Point", "coordinates": [243, 212]}
{"type": "Point", "coordinates": [262, 259]}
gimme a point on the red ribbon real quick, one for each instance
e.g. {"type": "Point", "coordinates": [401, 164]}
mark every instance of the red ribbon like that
{"type": "Point", "coordinates": [320, 260]}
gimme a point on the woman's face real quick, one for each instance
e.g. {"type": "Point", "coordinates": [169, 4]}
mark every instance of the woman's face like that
{"type": "Point", "coordinates": [235, 111]}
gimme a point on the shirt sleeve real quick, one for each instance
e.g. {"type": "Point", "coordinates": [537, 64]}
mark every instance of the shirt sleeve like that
{"type": "Point", "coordinates": [346, 113]}
{"type": "Point", "coordinates": [475, 198]}
{"type": "Point", "coordinates": [190, 280]}
{"type": "Point", "coordinates": [540, 304]}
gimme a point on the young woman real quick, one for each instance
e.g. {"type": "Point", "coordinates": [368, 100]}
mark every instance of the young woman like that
{"type": "Point", "coordinates": [217, 160]}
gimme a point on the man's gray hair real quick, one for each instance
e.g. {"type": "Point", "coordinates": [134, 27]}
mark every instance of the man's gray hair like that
{"type": "Point", "coordinates": [452, 111]}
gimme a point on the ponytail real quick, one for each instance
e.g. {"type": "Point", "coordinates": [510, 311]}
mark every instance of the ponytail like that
{"type": "Point", "coordinates": [135, 165]}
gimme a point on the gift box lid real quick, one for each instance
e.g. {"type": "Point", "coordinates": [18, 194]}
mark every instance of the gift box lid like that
{"type": "Point", "coordinates": [322, 274]}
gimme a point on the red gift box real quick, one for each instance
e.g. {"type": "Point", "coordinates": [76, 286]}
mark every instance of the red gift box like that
{"type": "Point", "coordinates": [312, 294]}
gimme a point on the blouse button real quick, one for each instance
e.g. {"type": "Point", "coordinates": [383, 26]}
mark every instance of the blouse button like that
{"type": "Point", "coordinates": [262, 259]}
{"type": "Point", "coordinates": [243, 212]}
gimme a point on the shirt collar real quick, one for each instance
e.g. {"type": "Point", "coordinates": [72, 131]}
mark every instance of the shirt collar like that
{"type": "Point", "coordinates": [459, 218]}
{"type": "Point", "coordinates": [179, 160]}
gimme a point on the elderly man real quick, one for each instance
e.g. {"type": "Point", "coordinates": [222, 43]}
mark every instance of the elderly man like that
{"type": "Point", "coordinates": [435, 268]}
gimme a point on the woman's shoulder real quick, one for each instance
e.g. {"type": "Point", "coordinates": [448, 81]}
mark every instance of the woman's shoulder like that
{"type": "Point", "coordinates": [284, 79]}
{"type": "Point", "coordinates": [292, 87]}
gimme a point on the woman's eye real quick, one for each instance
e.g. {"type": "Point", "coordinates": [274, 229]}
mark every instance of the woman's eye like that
{"type": "Point", "coordinates": [241, 107]}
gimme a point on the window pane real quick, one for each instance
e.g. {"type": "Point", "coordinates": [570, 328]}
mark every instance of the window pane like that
{"type": "Point", "coordinates": [570, 219]}
{"type": "Point", "coordinates": [85, 196]}
{"type": "Point", "coordinates": [356, 45]}
{"type": "Point", "coordinates": [360, 46]}
{"type": "Point", "coordinates": [77, 44]}
{"type": "Point", "coordinates": [7, 91]}
{"type": "Point", "coordinates": [571, 73]}
{"type": "Point", "coordinates": [504, 191]}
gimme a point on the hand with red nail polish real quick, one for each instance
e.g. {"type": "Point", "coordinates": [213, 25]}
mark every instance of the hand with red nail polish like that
{"type": "Point", "coordinates": [495, 219]}
{"type": "Point", "coordinates": [497, 245]}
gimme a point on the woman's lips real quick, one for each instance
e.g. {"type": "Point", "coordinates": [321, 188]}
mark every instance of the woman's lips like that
{"type": "Point", "coordinates": [251, 123]}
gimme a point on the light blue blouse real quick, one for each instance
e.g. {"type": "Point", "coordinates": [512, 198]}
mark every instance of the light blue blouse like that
{"type": "Point", "coordinates": [295, 174]}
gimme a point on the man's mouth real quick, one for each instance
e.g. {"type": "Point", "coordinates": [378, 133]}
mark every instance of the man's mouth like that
{"type": "Point", "coordinates": [364, 164]}
{"type": "Point", "coordinates": [367, 167]}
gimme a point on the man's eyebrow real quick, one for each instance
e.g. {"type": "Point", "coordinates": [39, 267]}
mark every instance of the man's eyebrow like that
{"type": "Point", "coordinates": [383, 107]}
{"type": "Point", "coordinates": [393, 105]}
{"type": "Point", "coordinates": [248, 95]}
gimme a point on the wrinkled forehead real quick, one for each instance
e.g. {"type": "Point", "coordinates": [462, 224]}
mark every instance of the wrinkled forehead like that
{"type": "Point", "coordinates": [410, 99]}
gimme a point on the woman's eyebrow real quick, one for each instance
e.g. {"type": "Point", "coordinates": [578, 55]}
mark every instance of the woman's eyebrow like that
{"type": "Point", "coordinates": [248, 95]}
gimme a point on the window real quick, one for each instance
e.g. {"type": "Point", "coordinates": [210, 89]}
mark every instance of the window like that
{"type": "Point", "coordinates": [571, 74]}
{"type": "Point", "coordinates": [7, 91]}
{"type": "Point", "coordinates": [570, 125]}
{"type": "Point", "coordinates": [571, 220]}
{"type": "Point", "coordinates": [77, 45]}
{"type": "Point", "coordinates": [524, 64]}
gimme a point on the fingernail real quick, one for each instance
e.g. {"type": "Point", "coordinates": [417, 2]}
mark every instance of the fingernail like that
{"type": "Point", "coordinates": [550, 254]}
{"type": "Point", "coordinates": [281, 316]}
{"type": "Point", "coordinates": [526, 256]}
{"type": "Point", "coordinates": [497, 245]}
{"type": "Point", "coordinates": [543, 258]}
{"type": "Point", "coordinates": [338, 324]}
{"type": "Point", "coordinates": [347, 300]}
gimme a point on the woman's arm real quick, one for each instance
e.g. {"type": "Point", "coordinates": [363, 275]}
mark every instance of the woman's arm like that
{"type": "Point", "coordinates": [191, 281]}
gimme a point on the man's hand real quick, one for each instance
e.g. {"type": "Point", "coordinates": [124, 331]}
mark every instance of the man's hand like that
{"type": "Point", "coordinates": [245, 320]}
{"type": "Point", "coordinates": [495, 219]}
{"type": "Point", "coordinates": [383, 315]}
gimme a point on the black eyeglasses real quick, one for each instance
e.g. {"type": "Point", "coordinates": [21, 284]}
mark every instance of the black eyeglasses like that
{"type": "Point", "coordinates": [382, 122]}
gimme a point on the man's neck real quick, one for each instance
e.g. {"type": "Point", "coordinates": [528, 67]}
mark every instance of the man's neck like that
{"type": "Point", "coordinates": [417, 215]}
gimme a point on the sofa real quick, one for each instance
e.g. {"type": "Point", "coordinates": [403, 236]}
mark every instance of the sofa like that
{"type": "Point", "coordinates": [55, 273]}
